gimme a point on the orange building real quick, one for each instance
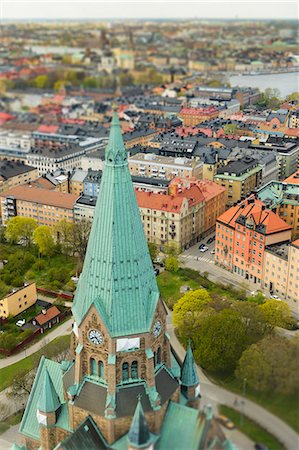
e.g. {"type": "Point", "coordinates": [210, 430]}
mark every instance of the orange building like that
{"type": "Point", "coordinates": [293, 179]}
{"type": "Point", "coordinates": [243, 232]}
{"type": "Point", "coordinates": [213, 195]}
{"type": "Point", "coordinates": [194, 116]}
{"type": "Point", "coordinates": [46, 207]}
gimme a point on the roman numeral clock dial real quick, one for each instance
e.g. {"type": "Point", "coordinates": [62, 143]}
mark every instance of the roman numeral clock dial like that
{"type": "Point", "coordinates": [95, 337]}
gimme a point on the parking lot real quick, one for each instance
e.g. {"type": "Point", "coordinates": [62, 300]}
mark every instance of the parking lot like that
{"type": "Point", "coordinates": [206, 256]}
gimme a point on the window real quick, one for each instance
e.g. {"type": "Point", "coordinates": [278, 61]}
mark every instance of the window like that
{"type": "Point", "coordinates": [93, 367]}
{"type": "Point", "coordinates": [134, 370]}
{"type": "Point", "coordinates": [101, 369]}
{"type": "Point", "coordinates": [159, 355]}
{"type": "Point", "coordinates": [125, 371]}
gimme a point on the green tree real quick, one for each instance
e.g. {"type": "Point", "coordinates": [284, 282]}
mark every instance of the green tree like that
{"type": "Point", "coordinates": [230, 128]}
{"type": "Point", "coordinates": [43, 238]}
{"type": "Point", "coordinates": [270, 98]}
{"type": "Point", "coordinates": [253, 320]}
{"type": "Point", "coordinates": [153, 250]}
{"type": "Point", "coordinates": [78, 237]}
{"type": "Point", "coordinates": [276, 313]}
{"type": "Point", "coordinates": [41, 81]}
{"type": "Point", "coordinates": [20, 228]}
{"type": "Point", "coordinates": [271, 365]}
{"type": "Point", "coordinates": [171, 250]}
{"type": "Point", "coordinates": [172, 264]}
{"type": "Point", "coordinates": [294, 97]}
{"type": "Point", "coordinates": [220, 341]}
{"type": "Point", "coordinates": [90, 82]}
{"type": "Point", "coordinates": [188, 311]}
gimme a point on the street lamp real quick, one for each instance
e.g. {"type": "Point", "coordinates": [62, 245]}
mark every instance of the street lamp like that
{"type": "Point", "coordinates": [242, 406]}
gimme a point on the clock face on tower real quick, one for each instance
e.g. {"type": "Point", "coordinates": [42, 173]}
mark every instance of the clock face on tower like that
{"type": "Point", "coordinates": [157, 328]}
{"type": "Point", "coordinates": [95, 337]}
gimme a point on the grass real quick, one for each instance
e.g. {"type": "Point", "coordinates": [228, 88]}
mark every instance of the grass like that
{"type": "Point", "coordinates": [283, 406]}
{"type": "Point", "coordinates": [7, 374]}
{"type": "Point", "coordinates": [170, 283]}
{"type": "Point", "coordinates": [252, 429]}
{"type": "Point", "coordinates": [10, 421]}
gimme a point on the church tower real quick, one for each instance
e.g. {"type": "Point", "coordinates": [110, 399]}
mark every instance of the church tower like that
{"type": "Point", "coordinates": [120, 345]}
{"type": "Point", "coordinates": [123, 388]}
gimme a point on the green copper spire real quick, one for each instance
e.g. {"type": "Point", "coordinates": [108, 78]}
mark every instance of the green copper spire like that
{"type": "Point", "coordinates": [139, 435]}
{"type": "Point", "coordinates": [117, 277]}
{"type": "Point", "coordinates": [189, 375]}
{"type": "Point", "coordinates": [49, 400]}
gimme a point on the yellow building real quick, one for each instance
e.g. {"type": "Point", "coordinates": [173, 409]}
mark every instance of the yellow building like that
{"type": "Point", "coordinates": [18, 301]}
{"type": "Point", "coordinates": [14, 173]}
{"type": "Point", "coordinates": [239, 178]}
{"type": "Point", "coordinates": [281, 272]}
{"type": "Point", "coordinates": [46, 207]}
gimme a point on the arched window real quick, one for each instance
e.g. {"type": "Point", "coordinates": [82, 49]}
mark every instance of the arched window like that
{"type": "Point", "coordinates": [134, 370]}
{"type": "Point", "coordinates": [159, 355]}
{"type": "Point", "coordinates": [93, 367]}
{"type": "Point", "coordinates": [155, 359]}
{"type": "Point", "coordinates": [125, 371]}
{"type": "Point", "coordinates": [101, 369]}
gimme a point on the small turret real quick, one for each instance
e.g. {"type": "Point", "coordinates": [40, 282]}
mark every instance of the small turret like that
{"type": "Point", "coordinates": [189, 378]}
{"type": "Point", "coordinates": [139, 435]}
{"type": "Point", "coordinates": [48, 403]}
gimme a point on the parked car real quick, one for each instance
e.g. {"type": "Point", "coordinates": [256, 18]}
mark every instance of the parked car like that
{"type": "Point", "coordinates": [275, 297]}
{"type": "Point", "coordinates": [201, 246]}
{"type": "Point", "coordinates": [226, 422]}
{"type": "Point", "coordinates": [213, 251]}
{"type": "Point", "coordinates": [20, 322]}
{"type": "Point", "coordinates": [203, 249]}
{"type": "Point", "coordinates": [210, 240]}
{"type": "Point", "coordinates": [156, 270]}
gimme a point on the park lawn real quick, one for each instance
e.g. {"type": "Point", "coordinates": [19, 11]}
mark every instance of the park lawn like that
{"type": "Point", "coordinates": [10, 421]}
{"type": "Point", "coordinates": [26, 364]}
{"type": "Point", "coordinates": [170, 283]}
{"type": "Point", "coordinates": [59, 263]}
{"type": "Point", "coordinates": [251, 429]}
{"type": "Point", "coordinates": [283, 406]}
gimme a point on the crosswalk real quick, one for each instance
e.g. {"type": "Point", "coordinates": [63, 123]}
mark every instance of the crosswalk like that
{"type": "Point", "coordinates": [199, 258]}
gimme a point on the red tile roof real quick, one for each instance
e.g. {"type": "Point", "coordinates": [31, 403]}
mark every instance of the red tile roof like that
{"type": "Point", "coordinates": [41, 196]}
{"type": "Point", "coordinates": [51, 129]}
{"type": "Point", "coordinates": [257, 211]}
{"type": "Point", "coordinates": [162, 202]}
{"type": "Point", "coordinates": [51, 313]}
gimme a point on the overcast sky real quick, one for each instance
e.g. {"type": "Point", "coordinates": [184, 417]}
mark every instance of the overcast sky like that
{"type": "Point", "coordinates": [158, 9]}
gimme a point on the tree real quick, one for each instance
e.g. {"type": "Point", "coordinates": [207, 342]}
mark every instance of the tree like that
{"type": "Point", "coordinates": [172, 264]}
{"type": "Point", "coordinates": [253, 320]}
{"type": "Point", "coordinates": [90, 82]}
{"type": "Point", "coordinates": [271, 365]}
{"type": "Point", "coordinates": [294, 97]}
{"type": "Point", "coordinates": [43, 238]}
{"type": "Point", "coordinates": [188, 311]}
{"type": "Point", "coordinates": [153, 250]}
{"type": "Point", "coordinates": [21, 385]}
{"type": "Point", "coordinates": [20, 228]}
{"type": "Point", "coordinates": [79, 235]}
{"type": "Point", "coordinates": [220, 341]}
{"type": "Point", "coordinates": [41, 81]}
{"type": "Point", "coordinates": [230, 128]}
{"type": "Point", "coordinates": [171, 250]}
{"type": "Point", "coordinates": [276, 313]}
{"type": "Point", "coordinates": [63, 233]}
{"type": "Point", "coordinates": [270, 98]}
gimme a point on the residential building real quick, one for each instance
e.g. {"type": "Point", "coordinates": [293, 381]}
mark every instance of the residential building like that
{"type": "Point", "coordinates": [283, 199]}
{"type": "Point", "coordinates": [239, 178]}
{"type": "Point", "coordinates": [214, 198]}
{"type": "Point", "coordinates": [281, 272]}
{"type": "Point", "coordinates": [76, 182]}
{"type": "Point", "coordinates": [14, 173]}
{"type": "Point", "coordinates": [139, 137]}
{"type": "Point", "coordinates": [18, 300]}
{"type": "Point", "coordinates": [47, 318]}
{"type": "Point", "coordinates": [194, 116]}
{"type": "Point", "coordinates": [46, 207]}
{"type": "Point", "coordinates": [242, 234]}
{"type": "Point", "coordinates": [93, 160]}
{"type": "Point", "coordinates": [164, 167]}
{"type": "Point", "coordinates": [15, 146]}
{"type": "Point", "coordinates": [84, 208]}
{"type": "Point", "coordinates": [124, 387]}
{"type": "Point", "coordinates": [294, 119]}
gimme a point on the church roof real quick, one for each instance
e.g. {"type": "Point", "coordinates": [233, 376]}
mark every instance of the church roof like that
{"type": "Point", "coordinates": [189, 375]}
{"type": "Point", "coordinates": [49, 400]}
{"type": "Point", "coordinates": [139, 435]}
{"type": "Point", "coordinates": [86, 437]}
{"type": "Point", "coordinates": [117, 277]}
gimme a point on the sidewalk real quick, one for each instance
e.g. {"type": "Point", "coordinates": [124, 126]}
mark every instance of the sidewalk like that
{"type": "Point", "coordinates": [60, 330]}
